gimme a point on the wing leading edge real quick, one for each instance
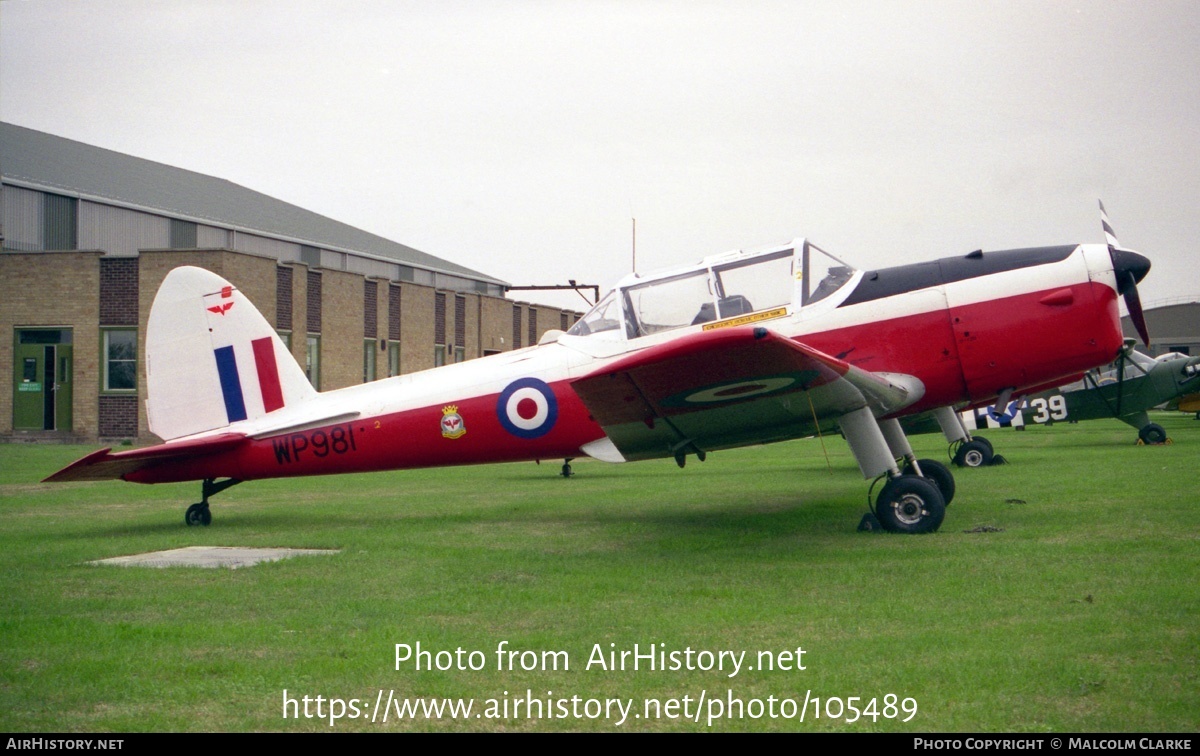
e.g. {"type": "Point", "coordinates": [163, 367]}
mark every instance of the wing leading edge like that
{"type": "Point", "coordinates": [730, 387]}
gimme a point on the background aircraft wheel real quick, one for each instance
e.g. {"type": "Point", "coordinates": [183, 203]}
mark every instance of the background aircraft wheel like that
{"type": "Point", "coordinates": [198, 514]}
{"type": "Point", "coordinates": [909, 504]}
{"type": "Point", "coordinates": [1152, 434]}
{"type": "Point", "coordinates": [973, 454]}
{"type": "Point", "coordinates": [938, 474]}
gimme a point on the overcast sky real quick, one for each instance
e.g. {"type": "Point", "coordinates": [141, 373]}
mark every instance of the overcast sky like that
{"type": "Point", "coordinates": [520, 138]}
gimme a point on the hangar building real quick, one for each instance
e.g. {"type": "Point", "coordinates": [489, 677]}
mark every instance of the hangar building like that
{"type": "Point", "coordinates": [1174, 326]}
{"type": "Point", "coordinates": [89, 234]}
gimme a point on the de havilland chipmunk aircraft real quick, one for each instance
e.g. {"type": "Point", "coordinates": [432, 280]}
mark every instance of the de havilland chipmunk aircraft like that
{"type": "Point", "coordinates": [741, 348]}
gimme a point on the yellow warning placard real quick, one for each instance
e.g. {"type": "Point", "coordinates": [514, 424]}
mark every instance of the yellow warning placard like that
{"type": "Point", "coordinates": [753, 317]}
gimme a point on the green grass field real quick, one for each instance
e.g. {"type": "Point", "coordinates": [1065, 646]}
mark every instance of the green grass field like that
{"type": "Point", "coordinates": [1061, 593]}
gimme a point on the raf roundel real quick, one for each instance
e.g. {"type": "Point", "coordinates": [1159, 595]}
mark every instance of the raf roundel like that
{"type": "Point", "coordinates": [527, 408]}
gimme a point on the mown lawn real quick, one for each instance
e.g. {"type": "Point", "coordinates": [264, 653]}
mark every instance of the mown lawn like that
{"type": "Point", "coordinates": [1061, 593]}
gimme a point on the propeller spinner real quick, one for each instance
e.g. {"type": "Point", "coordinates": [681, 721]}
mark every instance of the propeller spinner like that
{"type": "Point", "coordinates": [1130, 268]}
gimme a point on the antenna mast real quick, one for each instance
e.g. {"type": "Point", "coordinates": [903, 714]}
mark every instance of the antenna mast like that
{"type": "Point", "coordinates": [634, 244]}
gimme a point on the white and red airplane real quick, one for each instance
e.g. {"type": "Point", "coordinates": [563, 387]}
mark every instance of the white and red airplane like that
{"type": "Point", "coordinates": [741, 348]}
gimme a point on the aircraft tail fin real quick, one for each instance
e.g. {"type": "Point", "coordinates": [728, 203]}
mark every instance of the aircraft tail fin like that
{"type": "Point", "coordinates": [212, 359]}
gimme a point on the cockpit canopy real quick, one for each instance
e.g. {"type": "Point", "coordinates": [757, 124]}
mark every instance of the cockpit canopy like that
{"type": "Point", "coordinates": [718, 288]}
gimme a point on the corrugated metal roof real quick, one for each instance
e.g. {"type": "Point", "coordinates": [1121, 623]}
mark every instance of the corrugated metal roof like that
{"type": "Point", "coordinates": [56, 164]}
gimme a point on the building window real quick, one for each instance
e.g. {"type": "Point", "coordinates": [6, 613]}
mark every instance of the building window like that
{"type": "Point", "coordinates": [120, 359]}
{"type": "Point", "coordinates": [312, 360]}
{"type": "Point", "coordinates": [393, 359]}
{"type": "Point", "coordinates": [439, 355]}
{"type": "Point", "coordinates": [460, 354]}
{"type": "Point", "coordinates": [368, 360]}
{"type": "Point", "coordinates": [286, 338]}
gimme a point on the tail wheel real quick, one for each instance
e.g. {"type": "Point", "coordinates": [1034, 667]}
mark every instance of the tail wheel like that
{"type": "Point", "coordinates": [937, 474]}
{"type": "Point", "coordinates": [909, 504]}
{"type": "Point", "coordinates": [198, 514]}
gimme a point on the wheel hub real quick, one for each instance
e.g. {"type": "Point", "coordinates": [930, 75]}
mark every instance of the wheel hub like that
{"type": "Point", "coordinates": [910, 509]}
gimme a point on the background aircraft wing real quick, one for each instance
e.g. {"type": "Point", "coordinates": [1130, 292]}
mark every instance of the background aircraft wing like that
{"type": "Point", "coordinates": [106, 465]}
{"type": "Point", "coordinates": [730, 387]}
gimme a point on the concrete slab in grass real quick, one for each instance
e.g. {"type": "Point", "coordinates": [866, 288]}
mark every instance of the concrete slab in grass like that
{"type": "Point", "coordinates": [209, 556]}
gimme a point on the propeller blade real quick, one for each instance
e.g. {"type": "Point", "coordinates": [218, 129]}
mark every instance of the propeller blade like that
{"type": "Point", "coordinates": [1109, 234]}
{"type": "Point", "coordinates": [1129, 268]}
{"type": "Point", "coordinates": [1134, 303]}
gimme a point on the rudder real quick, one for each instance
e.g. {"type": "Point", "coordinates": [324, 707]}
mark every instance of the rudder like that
{"type": "Point", "coordinates": [212, 359]}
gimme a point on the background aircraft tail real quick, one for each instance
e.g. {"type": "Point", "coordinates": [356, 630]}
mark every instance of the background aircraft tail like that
{"type": "Point", "coordinates": [212, 360]}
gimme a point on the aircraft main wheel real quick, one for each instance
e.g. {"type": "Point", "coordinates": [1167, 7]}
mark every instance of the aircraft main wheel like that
{"type": "Point", "coordinates": [973, 454]}
{"type": "Point", "coordinates": [985, 442]}
{"type": "Point", "coordinates": [938, 474]}
{"type": "Point", "coordinates": [1152, 434]}
{"type": "Point", "coordinates": [198, 514]}
{"type": "Point", "coordinates": [909, 504]}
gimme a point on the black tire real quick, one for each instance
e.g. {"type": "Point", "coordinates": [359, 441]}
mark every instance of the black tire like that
{"type": "Point", "coordinates": [1152, 434]}
{"type": "Point", "coordinates": [909, 504]}
{"type": "Point", "coordinates": [938, 474]}
{"type": "Point", "coordinates": [985, 442]}
{"type": "Point", "coordinates": [973, 454]}
{"type": "Point", "coordinates": [198, 514]}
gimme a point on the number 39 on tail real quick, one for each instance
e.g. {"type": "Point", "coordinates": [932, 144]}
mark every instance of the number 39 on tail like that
{"type": "Point", "coordinates": [740, 348]}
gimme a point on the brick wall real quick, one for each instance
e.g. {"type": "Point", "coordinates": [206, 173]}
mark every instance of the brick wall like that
{"type": "Point", "coordinates": [439, 318]}
{"type": "Point", "coordinates": [118, 416]}
{"type": "Point", "coordinates": [313, 311]}
{"type": "Point", "coordinates": [496, 324]}
{"type": "Point", "coordinates": [299, 311]}
{"type": "Point", "coordinates": [370, 309]}
{"type": "Point", "coordinates": [118, 291]}
{"type": "Point", "coordinates": [393, 321]}
{"type": "Point", "coordinates": [283, 298]}
{"type": "Point", "coordinates": [53, 289]}
{"type": "Point", "coordinates": [66, 290]}
{"type": "Point", "coordinates": [341, 329]}
{"type": "Point", "coordinates": [416, 340]}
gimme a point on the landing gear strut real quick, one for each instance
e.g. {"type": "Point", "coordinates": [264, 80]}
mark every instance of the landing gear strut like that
{"type": "Point", "coordinates": [198, 513]}
{"type": "Point", "coordinates": [913, 501]}
{"type": "Point", "coordinates": [937, 474]}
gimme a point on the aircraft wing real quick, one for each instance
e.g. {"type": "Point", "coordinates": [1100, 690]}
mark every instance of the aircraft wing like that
{"type": "Point", "coordinates": [106, 465]}
{"type": "Point", "coordinates": [730, 387]}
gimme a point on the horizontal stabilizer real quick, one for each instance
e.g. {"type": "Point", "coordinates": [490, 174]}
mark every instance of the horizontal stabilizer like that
{"type": "Point", "coordinates": [306, 424]}
{"type": "Point", "coordinates": [105, 465]}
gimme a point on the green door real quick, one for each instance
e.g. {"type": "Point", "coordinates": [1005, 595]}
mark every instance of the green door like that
{"type": "Point", "coordinates": [42, 378]}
